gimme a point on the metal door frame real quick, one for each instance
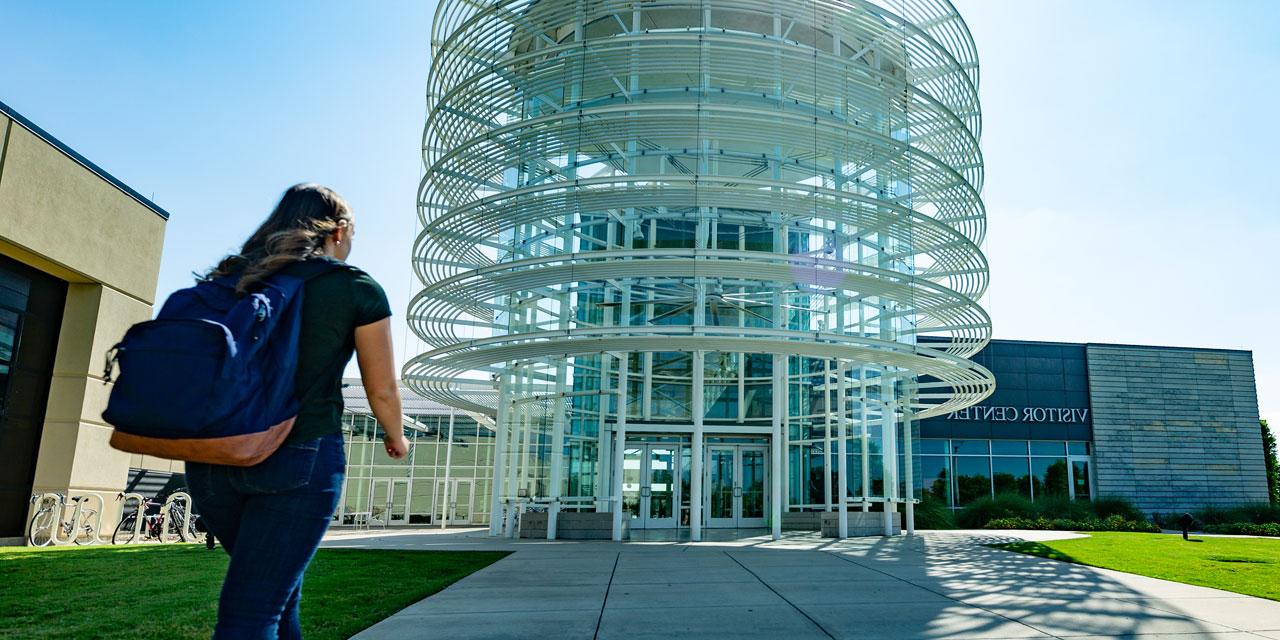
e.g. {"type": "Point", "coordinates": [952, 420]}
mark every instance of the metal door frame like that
{"type": "Point", "coordinates": [389, 503]}
{"type": "Point", "coordinates": [1071, 474]}
{"type": "Point", "coordinates": [644, 519]}
{"type": "Point", "coordinates": [737, 521]}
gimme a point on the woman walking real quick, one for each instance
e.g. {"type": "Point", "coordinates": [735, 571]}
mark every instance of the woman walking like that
{"type": "Point", "coordinates": [270, 517]}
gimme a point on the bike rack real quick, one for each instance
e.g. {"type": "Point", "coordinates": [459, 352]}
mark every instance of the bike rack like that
{"type": "Point", "coordinates": [77, 517]}
{"type": "Point", "coordinates": [96, 538]}
{"type": "Point", "coordinates": [38, 502]}
{"type": "Point", "coordinates": [141, 507]}
{"type": "Point", "coordinates": [186, 512]}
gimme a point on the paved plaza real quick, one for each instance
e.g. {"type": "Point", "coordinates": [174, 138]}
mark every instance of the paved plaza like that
{"type": "Point", "coordinates": [934, 585]}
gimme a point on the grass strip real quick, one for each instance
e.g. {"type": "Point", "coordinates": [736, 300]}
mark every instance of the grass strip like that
{"type": "Point", "coordinates": [171, 591]}
{"type": "Point", "coordinates": [1250, 566]}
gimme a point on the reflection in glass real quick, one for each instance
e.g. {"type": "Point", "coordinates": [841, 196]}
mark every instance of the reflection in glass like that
{"type": "Point", "coordinates": [937, 482]}
{"type": "Point", "coordinates": [1049, 476]}
{"type": "Point", "coordinates": [661, 483]}
{"type": "Point", "coordinates": [686, 490]}
{"type": "Point", "coordinates": [1009, 447]}
{"type": "Point", "coordinates": [631, 482]}
{"type": "Point", "coordinates": [752, 483]}
{"type": "Point", "coordinates": [1046, 448]}
{"type": "Point", "coordinates": [1080, 479]}
{"type": "Point", "coordinates": [971, 447]}
{"type": "Point", "coordinates": [973, 478]}
{"type": "Point", "coordinates": [1010, 475]}
{"type": "Point", "coordinates": [721, 490]}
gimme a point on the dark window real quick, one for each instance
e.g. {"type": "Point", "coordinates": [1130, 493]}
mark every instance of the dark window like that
{"type": "Point", "coordinates": [31, 305]}
{"type": "Point", "coordinates": [1080, 479]}
{"type": "Point", "coordinates": [1046, 448]}
{"type": "Point", "coordinates": [973, 478]}
{"type": "Point", "coordinates": [1010, 476]}
{"type": "Point", "coordinates": [1009, 447]}
{"type": "Point", "coordinates": [676, 234]}
{"type": "Point", "coordinates": [933, 445]}
{"type": "Point", "coordinates": [934, 478]}
{"type": "Point", "coordinates": [1049, 475]}
{"type": "Point", "coordinates": [970, 447]}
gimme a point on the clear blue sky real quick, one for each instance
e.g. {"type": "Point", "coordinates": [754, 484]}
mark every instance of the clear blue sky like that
{"type": "Point", "coordinates": [1130, 146]}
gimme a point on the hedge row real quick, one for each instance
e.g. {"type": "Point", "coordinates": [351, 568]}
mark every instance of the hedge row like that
{"type": "Point", "coordinates": [1109, 523]}
{"type": "Point", "coordinates": [1245, 529]}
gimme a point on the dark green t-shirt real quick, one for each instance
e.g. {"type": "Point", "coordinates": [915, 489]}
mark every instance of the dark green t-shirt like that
{"type": "Point", "coordinates": [333, 305]}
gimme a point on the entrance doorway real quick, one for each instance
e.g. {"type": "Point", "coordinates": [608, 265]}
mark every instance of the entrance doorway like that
{"type": "Point", "coordinates": [389, 501]}
{"type": "Point", "coordinates": [460, 507]}
{"type": "Point", "coordinates": [736, 481]}
{"type": "Point", "coordinates": [656, 487]}
{"type": "Point", "coordinates": [650, 491]}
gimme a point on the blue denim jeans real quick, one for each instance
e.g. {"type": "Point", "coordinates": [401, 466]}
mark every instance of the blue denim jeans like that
{"type": "Point", "coordinates": [270, 518]}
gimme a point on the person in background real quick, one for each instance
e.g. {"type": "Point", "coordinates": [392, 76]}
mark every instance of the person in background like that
{"type": "Point", "coordinates": [271, 517]}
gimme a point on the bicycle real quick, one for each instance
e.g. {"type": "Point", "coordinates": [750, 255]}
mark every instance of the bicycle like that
{"type": "Point", "coordinates": [162, 526]}
{"type": "Point", "coordinates": [43, 528]}
{"type": "Point", "coordinates": [194, 531]}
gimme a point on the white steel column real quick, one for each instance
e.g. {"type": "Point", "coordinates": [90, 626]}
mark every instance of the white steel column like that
{"type": "Point", "coordinates": [695, 457]}
{"type": "Point", "coordinates": [889, 462]}
{"type": "Point", "coordinates": [603, 457]}
{"type": "Point", "coordinates": [842, 434]}
{"type": "Point", "coordinates": [866, 455]}
{"type": "Point", "coordinates": [448, 466]}
{"type": "Point", "coordinates": [501, 430]}
{"type": "Point", "coordinates": [557, 450]}
{"type": "Point", "coordinates": [826, 436]}
{"type": "Point", "coordinates": [620, 446]}
{"type": "Point", "coordinates": [775, 476]}
{"type": "Point", "coordinates": [909, 469]}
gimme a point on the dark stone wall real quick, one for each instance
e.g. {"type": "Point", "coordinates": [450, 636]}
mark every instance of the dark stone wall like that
{"type": "Point", "coordinates": [1175, 429]}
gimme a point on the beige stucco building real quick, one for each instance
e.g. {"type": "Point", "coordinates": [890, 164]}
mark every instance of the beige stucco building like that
{"type": "Point", "coordinates": [79, 258]}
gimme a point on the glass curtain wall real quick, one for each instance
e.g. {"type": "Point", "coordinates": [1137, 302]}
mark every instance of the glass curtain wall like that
{"type": "Point", "coordinates": [704, 216]}
{"type": "Point", "coordinates": [445, 479]}
{"type": "Point", "coordinates": [957, 472]}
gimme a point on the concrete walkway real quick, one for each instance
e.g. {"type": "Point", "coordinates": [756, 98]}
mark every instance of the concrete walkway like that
{"type": "Point", "coordinates": [935, 585]}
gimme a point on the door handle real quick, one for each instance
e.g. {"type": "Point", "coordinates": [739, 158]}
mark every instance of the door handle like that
{"type": "Point", "coordinates": [737, 492]}
{"type": "Point", "coordinates": [645, 492]}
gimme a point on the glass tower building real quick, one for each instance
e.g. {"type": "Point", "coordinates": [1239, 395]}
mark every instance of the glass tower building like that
{"type": "Point", "coordinates": [715, 258]}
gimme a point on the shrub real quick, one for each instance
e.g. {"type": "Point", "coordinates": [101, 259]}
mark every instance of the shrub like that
{"type": "Point", "coordinates": [983, 510]}
{"type": "Point", "coordinates": [932, 513]}
{"type": "Point", "coordinates": [1053, 507]}
{"type": "Point", "coordinates": [1106, 506]}
{"type": "Point", "coordinates": [1245, 529]}
{"type": "Point", "coordinates": [1257, 513]}
{"type": "Point", "coordinates": [1110, 523]}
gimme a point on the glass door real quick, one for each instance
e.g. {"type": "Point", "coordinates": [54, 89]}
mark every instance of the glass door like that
{"type": "Point", "coordinates": [650, 493]}
{"type": "Point", "coordinates": [460, 507]}
{"type": "Point", "coordinates": [751, 501]}
{"type": "Point", "coordinates": [1079, 478]}
{"type": "Point", "coordinates": [398, 502]}
{"type": "Point", "coordinates": [658, 497]}
{"type": "Point", "coordinates": [632, 461]}
{"type": "Point", "coordinates": [721, 487]}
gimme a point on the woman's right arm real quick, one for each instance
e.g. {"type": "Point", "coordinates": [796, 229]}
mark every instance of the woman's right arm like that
{"type": "Point", "coordinates": [376, 358]}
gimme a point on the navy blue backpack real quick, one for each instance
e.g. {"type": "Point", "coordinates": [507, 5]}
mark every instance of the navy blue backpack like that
{"type": "Point", "coordinates": [211, 378]}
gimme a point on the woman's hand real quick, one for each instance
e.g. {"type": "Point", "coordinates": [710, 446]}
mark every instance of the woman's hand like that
{"type": "Point", "coordinates": [396, 444]}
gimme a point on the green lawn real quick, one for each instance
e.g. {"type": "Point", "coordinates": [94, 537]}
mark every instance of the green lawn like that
{"type": "Point", "coordinates": [171, 591]}
{"type": "Point", "coordinates": [1244, 565]}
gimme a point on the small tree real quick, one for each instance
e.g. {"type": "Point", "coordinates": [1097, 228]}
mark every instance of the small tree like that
{"type": "Point", "coordinates": [1273, 466]}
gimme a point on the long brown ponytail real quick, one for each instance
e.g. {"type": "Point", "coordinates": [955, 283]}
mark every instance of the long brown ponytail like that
{"type": "Point", "coordinates": [295, 230]}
